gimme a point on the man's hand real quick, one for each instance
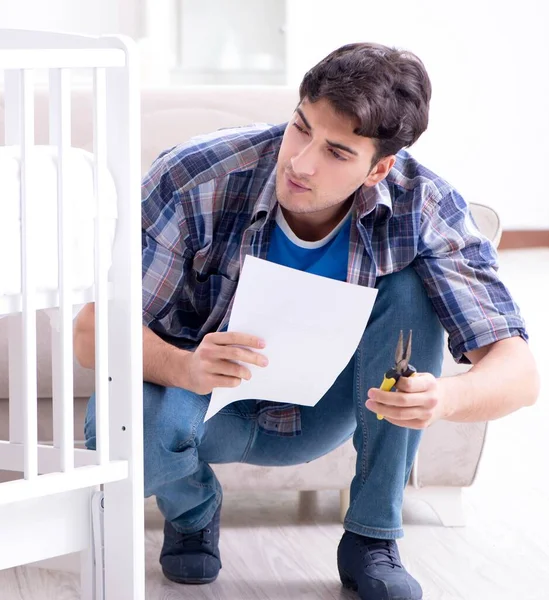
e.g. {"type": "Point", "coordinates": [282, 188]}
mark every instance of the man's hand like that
{"type": "Point", "coordinates": [417, 402]}
{"type": "Point", "coordinates": [213, 363]}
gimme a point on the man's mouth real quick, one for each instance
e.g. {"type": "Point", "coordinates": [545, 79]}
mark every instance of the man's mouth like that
{"type": "Point", "coordinates": [296, 185]}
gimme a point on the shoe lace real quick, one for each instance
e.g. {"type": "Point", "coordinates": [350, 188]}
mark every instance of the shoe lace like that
{"type": "Point", "coordinates": [382, 552]}
{"type": "Point", "coordinates": [194, 539]}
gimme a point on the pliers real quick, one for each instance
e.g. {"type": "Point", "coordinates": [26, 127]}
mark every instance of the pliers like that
{"type": "Point", "coordinates": [402, 368]}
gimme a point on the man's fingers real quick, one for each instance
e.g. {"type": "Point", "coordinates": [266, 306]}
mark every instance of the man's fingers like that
{"type": "Point", "coordinates": [243, 355]}
{"type": "Point", "coordinates": [228, 338]}
{"type": "Point", "coordinates": [231, 369]}
{"type": "Point", "coordinates": [224, 381]}
{"type": "Point", "coordinates": [401, 399]}
{"type": "Point", "coordinates": [400, 414]}
{"type": "Point", "coordinates": [420, 382]}
{"type": "Point", "coordinates": [413, 424]}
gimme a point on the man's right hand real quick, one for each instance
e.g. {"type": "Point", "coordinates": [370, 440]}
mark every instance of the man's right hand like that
{"type": "Point", "coordinates": [213, 363]}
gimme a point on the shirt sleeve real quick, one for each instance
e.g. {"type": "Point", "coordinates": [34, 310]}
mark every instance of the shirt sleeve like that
{"type": "Point", "coordinates": [458, 266]}
{"type": "Point", "coordinates": [164, 253]}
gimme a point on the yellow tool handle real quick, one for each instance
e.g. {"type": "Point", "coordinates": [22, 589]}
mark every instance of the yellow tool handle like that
{"type": "Point", "coordinates": [386, 386]}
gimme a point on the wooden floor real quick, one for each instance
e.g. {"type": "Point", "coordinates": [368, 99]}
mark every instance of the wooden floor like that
{"type": "Point", "coordinates": [272, 549]}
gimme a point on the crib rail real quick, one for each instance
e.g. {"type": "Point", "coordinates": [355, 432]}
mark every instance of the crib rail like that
{"type": "Point", "coordinates": [57, 483]}
{"type": "Point", "coordinates": [27, 49]}
{"type": "Point", "coordinates": [61, 59]}
{"type": "Point", "coordinates": [49, 457]}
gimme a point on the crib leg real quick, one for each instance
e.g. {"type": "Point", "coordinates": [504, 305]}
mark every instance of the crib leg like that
{"type": "Point", "coordinates": [124, 506]}
{"type": "Point", "coordinates": [91, 583]}
{"type": "Point", "coordinates": [124, 542]}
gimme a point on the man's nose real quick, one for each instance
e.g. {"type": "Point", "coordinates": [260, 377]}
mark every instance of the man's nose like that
{"type": "Point", "coordinates": [304, 163]}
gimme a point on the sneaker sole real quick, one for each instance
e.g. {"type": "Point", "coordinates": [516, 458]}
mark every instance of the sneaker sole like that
{"type": "Point", "coordinates": [189, 581]}
{"type": "Point", "coordinates": [348, 582]}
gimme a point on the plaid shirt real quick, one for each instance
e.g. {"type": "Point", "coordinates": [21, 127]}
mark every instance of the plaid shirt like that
{"type": "Point", "coordinates": [208, 203]}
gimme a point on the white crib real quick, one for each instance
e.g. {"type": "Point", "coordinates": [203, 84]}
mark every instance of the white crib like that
{"type": "Point", "coordinates": [48, 511]}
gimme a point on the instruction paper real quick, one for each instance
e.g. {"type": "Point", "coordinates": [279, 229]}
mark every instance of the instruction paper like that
{"type": "Point", "coordinates": [312, 326]}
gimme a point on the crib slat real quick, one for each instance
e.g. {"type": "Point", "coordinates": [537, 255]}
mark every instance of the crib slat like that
{"type": "Point", "coordinates": [12, 135]}
{"type": "Point", "coordinates": [28, 280]}
{"type": "Point", "coordinates": [12, 85]}
{"type": "Point", "coordinates": [62, 346]}
{"type": "Point", "coordinates": [101, 249]}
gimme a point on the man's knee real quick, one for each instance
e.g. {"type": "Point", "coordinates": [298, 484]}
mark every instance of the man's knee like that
{"type": "Point", "coordinates": [172, 419]}
{"type": "Point", "coordinates": [404, 292]}
{"type": "Point", "coordinates": [403, 303]}
{"type": "Point", "coordinates": [173, 426]}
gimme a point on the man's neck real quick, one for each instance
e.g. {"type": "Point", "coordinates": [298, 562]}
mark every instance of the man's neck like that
{"type": "Point", "coordinates": [311, 227]}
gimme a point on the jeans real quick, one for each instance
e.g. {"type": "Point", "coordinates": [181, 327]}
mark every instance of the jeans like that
{"type": "Point", "coordinates": [179, 446]}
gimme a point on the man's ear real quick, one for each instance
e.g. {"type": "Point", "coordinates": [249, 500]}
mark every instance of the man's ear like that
{"type": "Point", "coordinates": [380, 171]}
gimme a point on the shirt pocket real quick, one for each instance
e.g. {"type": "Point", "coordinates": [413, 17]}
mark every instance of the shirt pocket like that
{"type": "Point", "coordinates": [211, 294]}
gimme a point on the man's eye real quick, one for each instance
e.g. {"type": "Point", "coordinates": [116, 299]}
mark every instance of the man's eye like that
{"type": "Point", "coordinates": [336, 155]}
{"type": "Point", "coordinates": [299, 128]}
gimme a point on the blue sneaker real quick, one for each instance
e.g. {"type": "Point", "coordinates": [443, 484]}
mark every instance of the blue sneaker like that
{"type": "Point", "coordinates": [373, 568]}
{"type": "Point", "coordinates": [192, 558]}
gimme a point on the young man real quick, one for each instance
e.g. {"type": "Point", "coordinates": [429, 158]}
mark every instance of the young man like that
{"type": "Point", "coordinates": [332, 193]}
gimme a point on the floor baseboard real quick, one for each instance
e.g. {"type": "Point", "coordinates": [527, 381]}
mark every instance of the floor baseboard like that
{"type": "Point", "coordinates": [524, 238]}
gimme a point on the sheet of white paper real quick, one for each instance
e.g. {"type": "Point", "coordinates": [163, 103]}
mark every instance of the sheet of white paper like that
{"type": "Point", "coordinates": [312, 326]}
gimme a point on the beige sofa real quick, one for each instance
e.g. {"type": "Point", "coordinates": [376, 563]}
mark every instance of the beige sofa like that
{"type": "Point", "coordinates": [449, 454]}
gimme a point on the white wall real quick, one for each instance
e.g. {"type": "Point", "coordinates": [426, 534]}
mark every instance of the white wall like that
{"type": "Point", "coordinates": [489, 65]}
{"type": "Point", "coordinates": [488, 61]}
{"type": "Point", "coordinates": [79, 16]}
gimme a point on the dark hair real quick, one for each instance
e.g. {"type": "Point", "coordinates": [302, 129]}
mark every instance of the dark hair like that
{"type": "Point", "coordinates": [387, 91]}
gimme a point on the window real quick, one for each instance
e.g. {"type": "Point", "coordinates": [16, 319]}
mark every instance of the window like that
{"type": "Point", "coordinates": [238, 42]}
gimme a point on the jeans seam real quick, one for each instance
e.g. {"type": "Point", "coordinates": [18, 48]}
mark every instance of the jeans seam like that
{"type": "Point", "coordinates": [251, 439]}
{"type": "Point", "coordinates": [192, 436]}
{"type": "Point", "coordinates": [363, 465]}
{"type": "Point", "coordinates": [362, 421]}
{"type": "Point", "coordinates": [234, 413]}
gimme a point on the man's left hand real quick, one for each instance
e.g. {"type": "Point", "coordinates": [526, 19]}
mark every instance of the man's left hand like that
{"type": "Point", "coordinates": [417, 402]}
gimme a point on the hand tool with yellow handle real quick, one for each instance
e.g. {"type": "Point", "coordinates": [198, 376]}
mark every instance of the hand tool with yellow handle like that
{"type": "Point", "coordinates": [401, 368]}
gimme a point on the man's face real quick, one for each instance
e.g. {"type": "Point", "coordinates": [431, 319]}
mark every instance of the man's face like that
{"type": "Point", "coordinates": [322, 162]}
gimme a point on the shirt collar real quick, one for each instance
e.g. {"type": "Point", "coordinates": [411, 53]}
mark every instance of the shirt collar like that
{"type": "Point", "coordinates": [266, 200]}
{"type": "Point", "coordinates": [369, 198]}
{"type": "Point", "coordinates": [366, 199]}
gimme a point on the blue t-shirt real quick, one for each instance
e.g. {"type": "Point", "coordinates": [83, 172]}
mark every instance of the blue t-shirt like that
{"type": "Point", "coordinates": [327, 257]}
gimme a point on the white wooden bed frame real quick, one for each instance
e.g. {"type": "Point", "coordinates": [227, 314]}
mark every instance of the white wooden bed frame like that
{"type": "Point", "coordinates": [47, 512]}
